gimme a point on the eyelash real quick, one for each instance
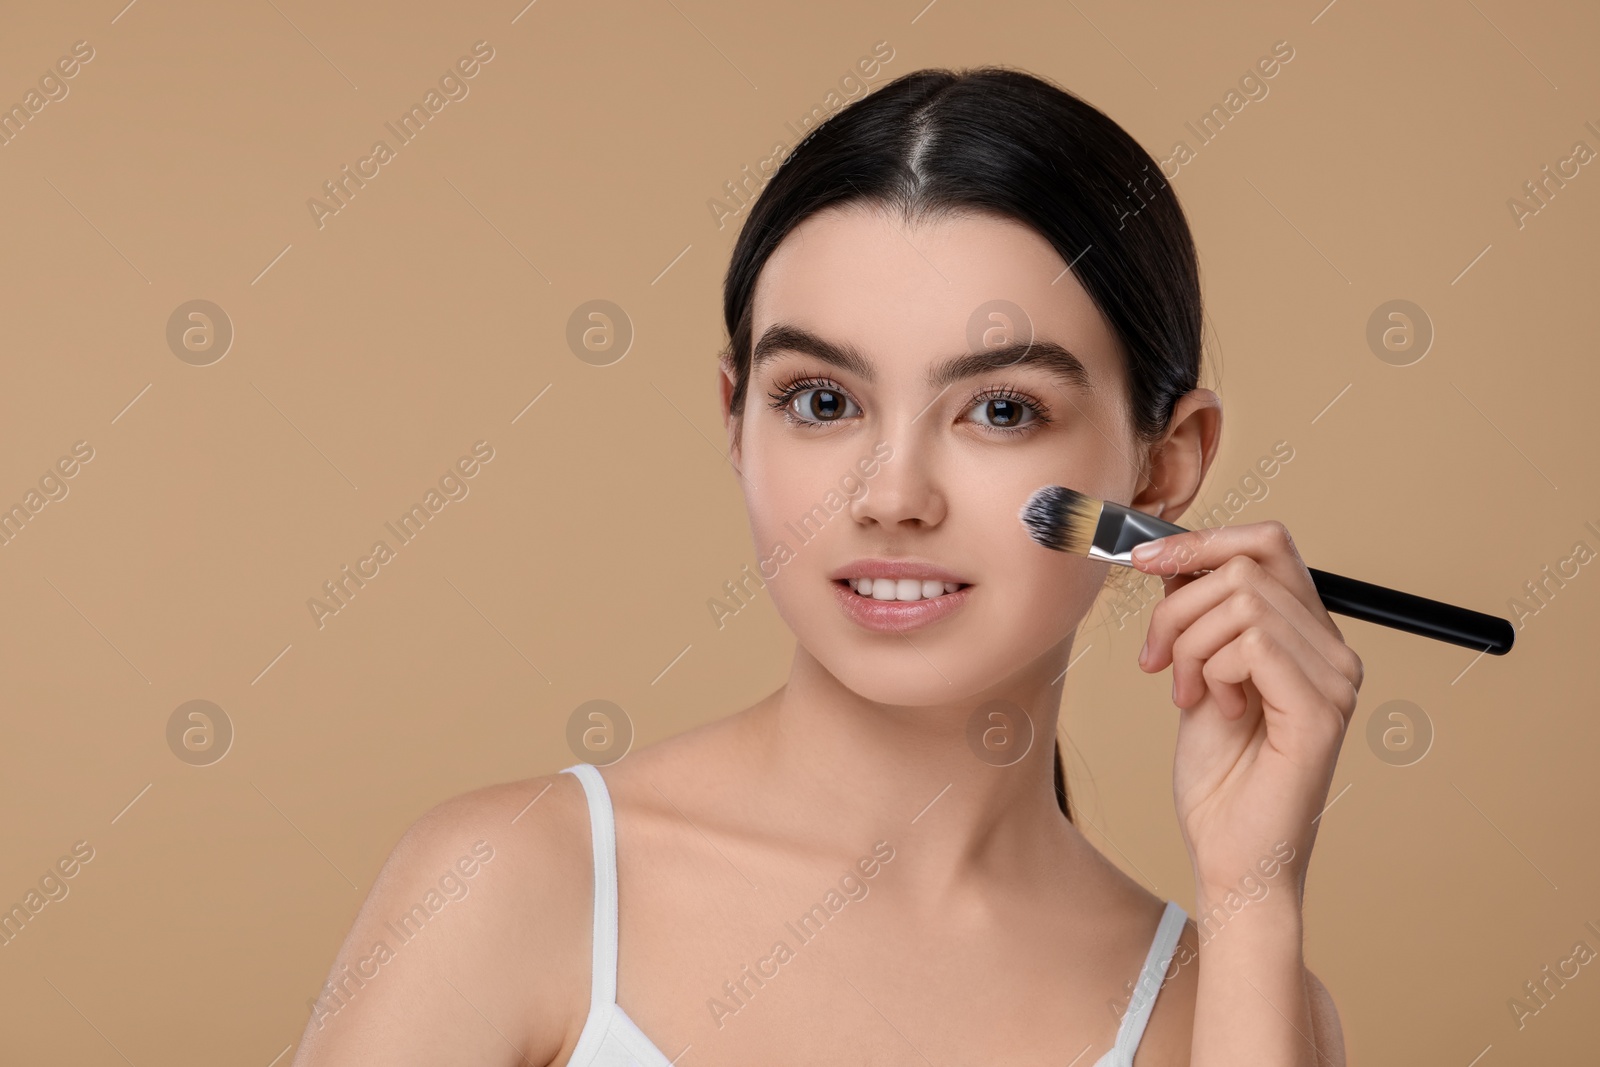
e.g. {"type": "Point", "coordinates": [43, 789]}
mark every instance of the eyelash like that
{"type": "Point", "coordinates": [784, 397]}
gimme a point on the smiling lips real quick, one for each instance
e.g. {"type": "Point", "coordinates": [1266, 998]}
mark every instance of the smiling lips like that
{"type": "Point", "coordinates": [895, 595]}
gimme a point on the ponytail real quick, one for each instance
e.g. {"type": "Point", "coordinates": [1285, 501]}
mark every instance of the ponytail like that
{"type": "Point", "coordinates": [1061, 784]}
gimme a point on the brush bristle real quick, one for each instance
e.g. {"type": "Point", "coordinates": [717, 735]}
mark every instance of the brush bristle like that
{"type": "Point", "coordinates": [1061, 518]}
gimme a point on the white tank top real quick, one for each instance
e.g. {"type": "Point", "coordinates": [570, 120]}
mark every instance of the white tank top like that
{"type": "Point", "coordinates": [611, 1039]}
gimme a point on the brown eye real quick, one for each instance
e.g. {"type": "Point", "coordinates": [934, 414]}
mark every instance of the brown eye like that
{"type": "Point", "coordinates": [1003, 413]}
{"type": "Point", "coordinates": [826, 404]}
{"type": "Point", "coordinates": [822, 405]}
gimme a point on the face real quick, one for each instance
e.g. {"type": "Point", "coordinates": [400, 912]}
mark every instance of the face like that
{"type": "Point", "coordinates": [897, 419]}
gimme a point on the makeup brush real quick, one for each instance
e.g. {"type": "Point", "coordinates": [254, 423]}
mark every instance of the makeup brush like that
{"type": "Point", "coordinates": [1070, 521]}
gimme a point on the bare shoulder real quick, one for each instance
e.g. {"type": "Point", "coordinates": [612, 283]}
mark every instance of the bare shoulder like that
{"type": "Point", "coordinates": [473, 943]}
{"type": "Point", "coordinates": [694, 766]}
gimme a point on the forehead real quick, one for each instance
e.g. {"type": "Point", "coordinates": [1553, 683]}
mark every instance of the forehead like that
{"type": "Point", "coordinates": [906, 294]}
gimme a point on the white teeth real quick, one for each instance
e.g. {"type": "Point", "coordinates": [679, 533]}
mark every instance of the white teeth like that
{"type": "Point", "coordinates": [902, 588]}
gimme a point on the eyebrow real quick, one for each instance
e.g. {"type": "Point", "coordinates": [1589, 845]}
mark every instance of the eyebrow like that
{"type": "Point", "coordinates": [1047, 356]}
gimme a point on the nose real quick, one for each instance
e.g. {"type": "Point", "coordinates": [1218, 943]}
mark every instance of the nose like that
{"type": "Point", "coordinates": [905, 494]}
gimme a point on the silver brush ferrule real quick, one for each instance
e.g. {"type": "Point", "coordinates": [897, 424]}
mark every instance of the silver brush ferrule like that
{"type": "Point", "coordinates": [1121, 528]}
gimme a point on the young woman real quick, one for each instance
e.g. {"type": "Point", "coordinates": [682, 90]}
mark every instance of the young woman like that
{"type": "Point", "coordinates": [961, 288]}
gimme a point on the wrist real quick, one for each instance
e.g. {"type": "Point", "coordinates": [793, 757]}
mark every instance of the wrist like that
{"type": "Point", "coordinates": [1264, 893]}
{"type": "Point", "coordinates": [1276, 903]}
{"type": "Point", "coordinates": [1228, 923]}
{"type": "Point", "coordinates": [1273, 882]}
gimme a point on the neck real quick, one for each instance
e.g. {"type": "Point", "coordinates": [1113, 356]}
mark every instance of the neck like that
{"type": "Point", "coordinates": [958, 789]}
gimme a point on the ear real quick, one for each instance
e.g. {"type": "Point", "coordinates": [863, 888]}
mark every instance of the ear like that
{"type": "Point", "coordinates": [1178, 463]}
{"type": "Point", "coordinates": [731, 423]}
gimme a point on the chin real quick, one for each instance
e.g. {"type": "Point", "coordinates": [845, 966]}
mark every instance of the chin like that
{"type": "Point", "coordinates": [894, 680]}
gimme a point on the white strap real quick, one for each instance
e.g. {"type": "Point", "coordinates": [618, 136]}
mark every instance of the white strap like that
{"type": "Point", "coordinates": [1162, 949]}
{"type": "Point", "coordinates": [603, 843]}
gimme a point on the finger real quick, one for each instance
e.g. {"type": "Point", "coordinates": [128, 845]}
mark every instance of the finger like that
{"type": "Point", "coordinates": [1268, 543]}
{"type": "Point", "coordinates": [1341, 680]}
{"type": "Point", "coordinates": [1197, 642]}
{"type": "Point", "coordinates": [1179, 610]}
{"type": "Point", "coordinates": [1242, 610]}
{"type": "Point", "coordinates": [1171, 583]}
{"type": "Point", "coordinates": [1184, 604]}
{"type": "Point", "coordinates": [1299, 716]}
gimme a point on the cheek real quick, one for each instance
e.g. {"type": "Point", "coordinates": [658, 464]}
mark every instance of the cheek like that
{"type": "Point", "coordinates": [1036, 595]}
{"type": "Point", "coordinates": [797, 497]}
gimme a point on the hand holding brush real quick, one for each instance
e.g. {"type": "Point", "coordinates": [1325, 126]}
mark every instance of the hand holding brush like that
{"type": "Point", "coordinates": [1070, 521]}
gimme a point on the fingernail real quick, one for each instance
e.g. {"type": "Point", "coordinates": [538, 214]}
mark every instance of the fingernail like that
{"type": "Point", "coordinates": [1174, 690]}
{"type": "Point", "coordinates": [1144, 651]}
{"type": "Point", "coordinates": [1147, 551]}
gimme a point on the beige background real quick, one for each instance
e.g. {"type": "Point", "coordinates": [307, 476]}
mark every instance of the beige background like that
{"type": "Point", "coordinates": [428, 313]}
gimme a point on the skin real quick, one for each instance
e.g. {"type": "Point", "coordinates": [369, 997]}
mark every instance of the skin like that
{"type": "Point", "coordinates": [996, 932]}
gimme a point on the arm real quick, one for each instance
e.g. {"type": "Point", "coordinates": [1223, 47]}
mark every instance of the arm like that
{"type": "Point", "coordinates": [459, 952]}
{"type": "Point", "coordinates": [1266, 688]}
{"type": "Point", "coordinates": [1254, 987]}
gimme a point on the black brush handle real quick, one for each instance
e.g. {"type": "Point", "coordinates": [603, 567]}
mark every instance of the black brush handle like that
{"type": "Point", "coordinates": [1413, 614]}
{"type": "Point", "coordinates": [1126, 527]}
